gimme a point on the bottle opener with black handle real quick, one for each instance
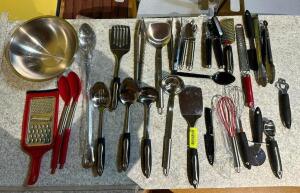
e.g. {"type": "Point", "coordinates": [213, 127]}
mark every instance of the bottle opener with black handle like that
{"type": "Point", "coordinates": [284, 103]}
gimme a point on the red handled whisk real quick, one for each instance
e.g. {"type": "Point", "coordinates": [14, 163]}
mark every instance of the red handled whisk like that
{"type": "Point", "coordinates": [226, 111]}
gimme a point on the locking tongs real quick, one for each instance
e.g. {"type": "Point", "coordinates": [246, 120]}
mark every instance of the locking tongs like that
{"type": "Point", "coordinates": [139, 50]}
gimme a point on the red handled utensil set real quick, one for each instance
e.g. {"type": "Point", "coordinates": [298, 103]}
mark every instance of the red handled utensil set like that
{"type": "Point", "coordinates": [40, 132]}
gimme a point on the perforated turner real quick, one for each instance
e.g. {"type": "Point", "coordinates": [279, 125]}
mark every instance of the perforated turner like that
{"type": "Point", "coordinates": [119, 39]}
{"type": "Point", "coordinates": [39, 128]}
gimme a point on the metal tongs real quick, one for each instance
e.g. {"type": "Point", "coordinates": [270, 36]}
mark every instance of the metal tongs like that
{"type": "Point", "coordinates": [139, 50]}
{"type": "Point", "coordinates": [267, 57]}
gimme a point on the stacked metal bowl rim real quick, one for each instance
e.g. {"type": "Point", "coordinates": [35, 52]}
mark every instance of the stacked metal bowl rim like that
{"type": "Point", "coordinates": [42, 48]}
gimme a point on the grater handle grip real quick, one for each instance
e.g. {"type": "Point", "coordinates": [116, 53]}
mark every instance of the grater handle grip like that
{"type": "Point", "coordinates": [34, 171]}
{"type": "Point", "coordinates": [55, 153]}
{"type": "Point", "coordinates": [64, 148]}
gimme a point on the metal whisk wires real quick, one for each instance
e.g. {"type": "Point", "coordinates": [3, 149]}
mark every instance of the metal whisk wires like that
{"type": "Point", "coordinates": [227, 114]}
{"type": "Point", "coordinates": [226, 111]}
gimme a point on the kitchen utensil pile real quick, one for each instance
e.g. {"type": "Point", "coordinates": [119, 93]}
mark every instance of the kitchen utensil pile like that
{"type": "Point", "coordinates": [40, 132]}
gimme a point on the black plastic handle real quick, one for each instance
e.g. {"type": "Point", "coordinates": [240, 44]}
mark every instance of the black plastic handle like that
{"type": "Point", "coordinates": [249, 24]}
{"type": "Point", "coordinates": [114, 90]}
{"type": "Point", "coordinates": [258, 128]}
{"type": "Point", "coordinates": [125, 151]}
{"type": "Point", "coordinates": [228, 59]}
{"type": "Point", "coordinates": [217, 46]}
{"type": "Point", "coordinates": [244, 149]}
{"type": "Point", "coordinates": [208, 53]}
{"type": "Point", "coordinates": [208, 120]}
{"type": "Point", "coordinates": [146, 157]}
{"type": "Point", "coordinates": [193, 166]}
{"type": "Point", "coordinates": [208, 137]}
{"type": "Point", "coordinates": [285, 110]}
{"type": "Point", "coordinates": [274, 157]}
{"type": "Point", "coordinates": [100, 155]}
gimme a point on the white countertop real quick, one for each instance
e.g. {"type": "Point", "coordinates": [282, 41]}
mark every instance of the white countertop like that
{"type": "Point", "coordinates": [284, 32]}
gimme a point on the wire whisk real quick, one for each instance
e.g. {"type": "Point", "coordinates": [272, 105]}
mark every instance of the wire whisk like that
{"type": "Point", "coordinates": [226, 111]}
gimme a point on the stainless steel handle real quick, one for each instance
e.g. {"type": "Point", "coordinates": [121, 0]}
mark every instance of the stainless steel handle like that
{"type": "Point", "coordinates": [190, 54]}
{"type": "Point", "coordinates": [168, 136]}
{"type": "Point", "coordinates": [166, 162]}
{"type": "Point", "coordinates": [88, 158]}
{"type": "Point", "coordinates": [236, 157]}
{"type": "Point", "coordinates": [114, 90]}
{"type": "Point", "coordinates": [158, 80]}
{"type": "Point", "coordinates": [184, 54]}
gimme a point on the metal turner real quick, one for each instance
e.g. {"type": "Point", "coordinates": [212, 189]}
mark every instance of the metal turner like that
{"type": "Point", "coordinates": [119, 39]}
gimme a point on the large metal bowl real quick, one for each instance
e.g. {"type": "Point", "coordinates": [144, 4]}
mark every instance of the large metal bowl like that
{"type": "Point", "coordinates": [42, 48]}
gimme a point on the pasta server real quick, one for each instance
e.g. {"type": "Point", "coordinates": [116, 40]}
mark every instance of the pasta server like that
{"type": "Point", "coordinates": [39, 128]}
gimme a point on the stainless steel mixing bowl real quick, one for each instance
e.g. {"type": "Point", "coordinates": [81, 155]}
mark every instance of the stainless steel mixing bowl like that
{"type": "Point", "coordinates": [42, 48]}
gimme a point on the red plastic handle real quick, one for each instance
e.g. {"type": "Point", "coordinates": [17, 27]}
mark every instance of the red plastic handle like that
{"type": "Point", "coordinates": [55, 153]}
{"type": "Point", "coordinates": [34, 171]}
{"type": "Point", "coordinates": [247, 87]}
{"type": "Point", "coordinates": [64, 148]}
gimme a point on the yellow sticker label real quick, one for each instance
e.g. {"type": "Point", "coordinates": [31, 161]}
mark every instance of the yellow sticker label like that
{"type": "Point", "coordinates": [193, 137]}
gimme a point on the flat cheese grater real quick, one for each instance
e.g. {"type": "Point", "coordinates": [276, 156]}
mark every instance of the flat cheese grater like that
{"type": "Point", "coordinates": [39, 128]}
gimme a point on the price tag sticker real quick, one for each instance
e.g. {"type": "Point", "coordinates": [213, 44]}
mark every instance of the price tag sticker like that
{"type": "Point", "coordinates": [193, 138]}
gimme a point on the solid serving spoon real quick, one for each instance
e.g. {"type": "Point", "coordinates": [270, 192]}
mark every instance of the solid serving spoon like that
{"type": "Point", "coordinates": [129, 93]}
{"type": "Point", "coordinates": [148, 95]}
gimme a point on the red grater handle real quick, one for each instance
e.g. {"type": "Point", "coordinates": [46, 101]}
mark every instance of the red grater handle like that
{"type": "Point", "coordinates": [64, 148]}
{"type": "Point", "coordinates": [55, 152]}
{"type": "Point", "coordinates": [247, 86]}
{"type": "Point", "coordinates": [34, 171]}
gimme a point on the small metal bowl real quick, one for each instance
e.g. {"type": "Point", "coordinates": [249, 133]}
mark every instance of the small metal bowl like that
{"type": "Point", "coordinates": [42, 48]}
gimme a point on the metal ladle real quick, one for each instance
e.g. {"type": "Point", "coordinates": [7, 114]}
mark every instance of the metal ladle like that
{"type": "Point", "coordinates": [101, 99]}
{"type": "Point", "coordinates": [87, 43]}
{"type": "Point", "coordinates": [148, 95]}
{"type": "Point", "coordinates": [158, 34]}
{"type": "Point", "coordinates": [172, 85]}
{"type": "Point", "coordinates": [129, 93]}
